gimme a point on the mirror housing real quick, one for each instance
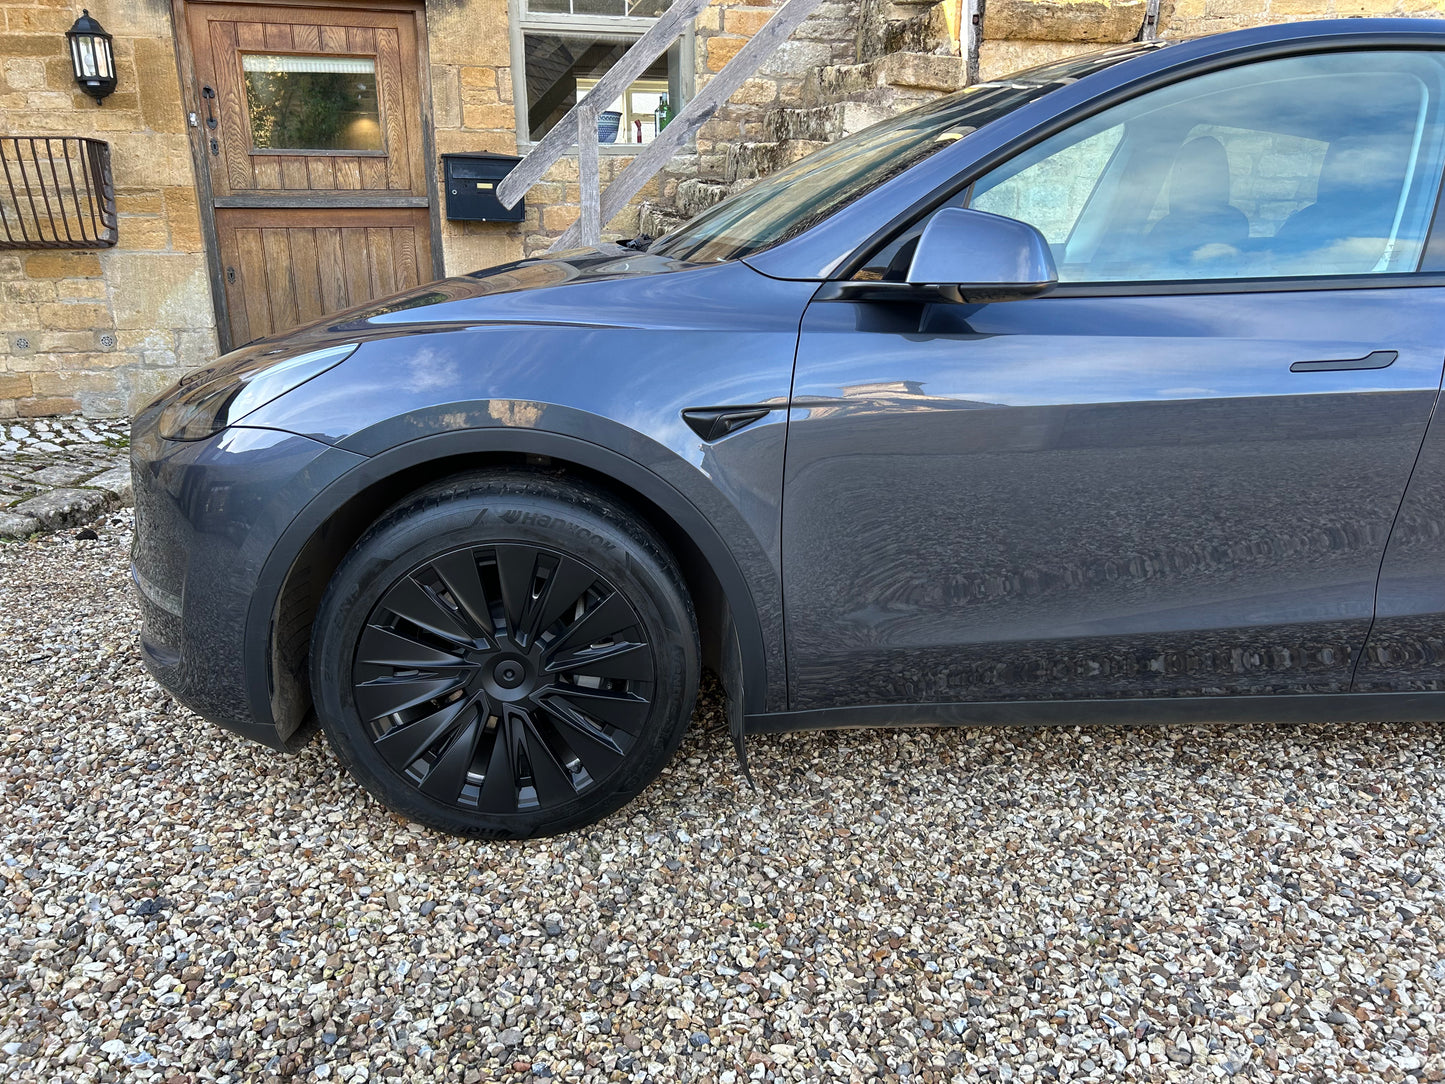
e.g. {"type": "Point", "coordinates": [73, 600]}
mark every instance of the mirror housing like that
{"type": "Point", "coordinates": [984, 257]}
{"type": "Point", "coordinates": [964, 256]}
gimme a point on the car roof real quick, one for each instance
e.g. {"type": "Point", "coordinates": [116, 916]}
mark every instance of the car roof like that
{"type": "Point", "coordinates": [1113, 75]}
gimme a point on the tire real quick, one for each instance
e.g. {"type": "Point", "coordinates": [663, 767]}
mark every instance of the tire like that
{"type": "Point", "coordinates": [505, 656]}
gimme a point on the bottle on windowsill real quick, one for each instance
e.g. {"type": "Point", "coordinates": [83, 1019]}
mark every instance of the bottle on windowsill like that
{"type": "Point", "coordinates": [663, 113]}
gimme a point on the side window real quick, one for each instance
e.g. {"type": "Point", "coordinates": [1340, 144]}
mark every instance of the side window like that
{"type": "Point", "coordinates": [1314, 165]}
{"type": "Point", "coordinates": [1271, 174]}
{"type": "Point", "coordinates": [1051, 193]}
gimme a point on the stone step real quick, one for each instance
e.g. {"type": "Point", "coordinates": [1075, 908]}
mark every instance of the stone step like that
{"type": "Point", "coordinates": [921, 71]}
{"type": "Point", "coordinates": [656, 221]}
{"type": "Point", "coordinates": [750, 160]}
{"type": "Point", "coordinates": [926, 32]}
{"type": "Point", "coordinates": [825, 123]}
{"type": "Point", "coordinates": [698, 194]}
{"type": "Point", "coordinates": [884, 27]}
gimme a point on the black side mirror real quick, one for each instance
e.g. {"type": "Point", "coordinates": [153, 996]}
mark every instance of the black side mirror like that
{"type": "Point", "coordinates": [965, 256]}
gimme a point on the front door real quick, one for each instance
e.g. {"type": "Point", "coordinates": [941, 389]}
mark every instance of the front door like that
{"type": "Point", "coordinates": [1177, 475]}
{"type": "Point", "coordinates": [311, 121]}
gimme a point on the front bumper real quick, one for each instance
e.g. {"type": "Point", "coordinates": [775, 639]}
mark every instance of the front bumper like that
{"type": "Point", "coordinates": [208, 515]}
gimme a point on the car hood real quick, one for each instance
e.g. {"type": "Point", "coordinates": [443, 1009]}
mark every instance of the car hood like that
{"type": "Point", "coordinates": [542, 290]}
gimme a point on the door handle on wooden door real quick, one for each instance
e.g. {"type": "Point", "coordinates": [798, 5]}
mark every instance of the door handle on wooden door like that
{"type": "Point", "coordinates": [208, 95]}
{"type": "Point", "coordinates": [1380, 359]}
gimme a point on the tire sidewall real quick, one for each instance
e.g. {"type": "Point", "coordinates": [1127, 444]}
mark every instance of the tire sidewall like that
{"type": "Point", "coordinates": [614, 544]}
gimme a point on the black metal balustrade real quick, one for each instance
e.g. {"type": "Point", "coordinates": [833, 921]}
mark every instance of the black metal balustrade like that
{"type": "Point", "coordinates": [56, 192]}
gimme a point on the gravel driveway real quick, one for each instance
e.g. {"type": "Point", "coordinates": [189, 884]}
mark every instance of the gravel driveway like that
{"type": "Point", "coordinates": [1157, 904]}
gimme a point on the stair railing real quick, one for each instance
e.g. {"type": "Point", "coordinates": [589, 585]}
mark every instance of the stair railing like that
{"type": "Point", "coordinates": [598, 207]}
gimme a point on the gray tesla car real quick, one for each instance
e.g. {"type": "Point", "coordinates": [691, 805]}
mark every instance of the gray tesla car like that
{"type": "Point", "coordinates": [1104, 392]}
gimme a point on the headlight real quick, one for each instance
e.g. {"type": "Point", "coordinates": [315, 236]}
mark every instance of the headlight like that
{"type": "Point", "coordinates": [208, 401]}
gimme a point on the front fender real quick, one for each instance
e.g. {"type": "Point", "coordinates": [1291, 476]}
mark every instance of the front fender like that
{"type": "Point", "coordinates": [689, 496]}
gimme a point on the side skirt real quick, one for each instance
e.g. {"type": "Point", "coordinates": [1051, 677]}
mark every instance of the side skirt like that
{"type": "Point", "coordinates": [1161, 711]}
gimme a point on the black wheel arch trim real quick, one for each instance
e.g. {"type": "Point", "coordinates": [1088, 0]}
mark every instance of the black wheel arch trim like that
{"type": "Point", "coordinates": [742, 618]}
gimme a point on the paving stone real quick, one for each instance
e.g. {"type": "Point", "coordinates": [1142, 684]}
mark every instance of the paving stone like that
{"type": "Point", "coordinates": [115, 481]}
{"type": "Point", "coordinates": [64, 507]}
{"type": "Point", "coordinates": [61, 474]}
{"type": "Point", "coordinates": [17, 526]}
{"type": "Point", "coordinates": [63, 471]}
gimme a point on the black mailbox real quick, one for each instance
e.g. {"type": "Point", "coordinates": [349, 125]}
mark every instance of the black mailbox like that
{"type": "Point", "coordinates": [471, 183]}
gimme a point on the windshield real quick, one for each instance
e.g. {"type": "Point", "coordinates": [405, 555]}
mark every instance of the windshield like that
{"type": "Point", "coordinates": [790, 201]}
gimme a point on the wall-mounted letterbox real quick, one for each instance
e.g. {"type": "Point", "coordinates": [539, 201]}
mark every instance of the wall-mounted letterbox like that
{"type": "Point", "coordinates": [471, 186]}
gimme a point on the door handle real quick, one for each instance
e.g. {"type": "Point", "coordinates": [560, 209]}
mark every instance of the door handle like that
{"type": "Point", "coordinates": [1380, 359]}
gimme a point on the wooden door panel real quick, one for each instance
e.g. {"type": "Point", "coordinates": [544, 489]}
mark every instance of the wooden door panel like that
{"type": "Point", "coordinates": [248, 308]}
{"type": "Point", "coordinates": [388, 76]}
{"type": "Point", "coordinates": [236, 173]}
{"type": "Point", "coordinates": [296, 265]}
{"type": "Point", "coordinates": [331, 269]}
{"type": "Point", "coordinates": [346, 173]}
{"type": "Point", "coordinates": [280, 283]}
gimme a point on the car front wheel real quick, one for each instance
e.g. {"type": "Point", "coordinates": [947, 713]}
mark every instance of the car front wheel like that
{"type": "Point", "coordinates": [510, 655]}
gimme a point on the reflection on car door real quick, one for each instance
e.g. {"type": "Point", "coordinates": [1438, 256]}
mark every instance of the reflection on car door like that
{"type": "Point", "coordinates": [1080, 497]}
{"type": "Point", "coordinates": [1145, 490]}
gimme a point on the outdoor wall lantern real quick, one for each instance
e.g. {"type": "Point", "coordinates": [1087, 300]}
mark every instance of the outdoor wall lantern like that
{"type": "Point", "coordinates": [92, 56]}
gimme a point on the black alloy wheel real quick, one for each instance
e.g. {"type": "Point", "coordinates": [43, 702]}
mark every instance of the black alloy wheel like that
{"type": "Point", "coordinates": [518, 658]}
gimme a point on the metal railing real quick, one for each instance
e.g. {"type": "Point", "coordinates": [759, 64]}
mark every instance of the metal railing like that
{"type": "Point", "coordinates": [579, 126]}
{"type": "Point", "coordinates": [57, 192]}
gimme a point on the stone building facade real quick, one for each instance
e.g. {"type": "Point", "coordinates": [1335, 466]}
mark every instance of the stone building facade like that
{"type": "Point", "coordinates": [100, 330]}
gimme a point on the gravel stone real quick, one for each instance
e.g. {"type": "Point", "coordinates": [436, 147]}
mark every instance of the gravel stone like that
{"type": "Point", "coordinates": [1258, 903]}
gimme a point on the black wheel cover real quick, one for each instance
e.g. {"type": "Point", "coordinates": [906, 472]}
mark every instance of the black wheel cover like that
{"type": "Point", "coordinates": [503, 678]}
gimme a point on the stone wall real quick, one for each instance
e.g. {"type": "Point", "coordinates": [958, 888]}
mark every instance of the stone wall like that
{"type": "Point", "coordinates": [826, 37]}
{"type": "Point", "coordinates": [471, 82]}
{"type": "Point", "coordinates": [1021, 33]}
{"type": "Point", "coordinates": [102, 331]}
{"type": "Point", "coordinates": [1182, 18]}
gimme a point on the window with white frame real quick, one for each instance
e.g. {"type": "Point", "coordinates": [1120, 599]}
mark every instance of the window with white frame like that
{"type": "Point", "coordinates": [561, 48]}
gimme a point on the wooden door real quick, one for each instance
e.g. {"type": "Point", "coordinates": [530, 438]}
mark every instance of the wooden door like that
{"type": "Point", "coordinates": [312, 124]}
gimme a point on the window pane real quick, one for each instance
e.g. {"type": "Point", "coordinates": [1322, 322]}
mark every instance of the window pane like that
{"type": "Point", "coordinates": [1324, 165]}
{"type": "Point", "coordinates": [562, 68]}
{"type": "Point", "coordinates": [312, 103]}
{"type": "Point", "coordinates": [1051, 194]}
